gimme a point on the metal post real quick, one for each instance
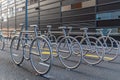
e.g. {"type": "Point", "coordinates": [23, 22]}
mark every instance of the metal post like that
{"type": "Point", "coordinates": [39, 14]}
{"type": "Point", "coordinates": [26, 15]}
{"type": "Point", "coordinates": [1, 17]}
{"type": "Point", "coordinates": [7, 23]}
{"type": "Point", "coordinates": [15, 17]}
{"type": "Point", "coordinates": [26, 19]}
{"type": "Point", "coordinates": [96, 13]}
{"type": "Point", "coordinates": [61, 13]}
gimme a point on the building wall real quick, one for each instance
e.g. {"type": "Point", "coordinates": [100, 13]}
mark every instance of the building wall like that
{"type": "Point", "coordinates": [78, 13]}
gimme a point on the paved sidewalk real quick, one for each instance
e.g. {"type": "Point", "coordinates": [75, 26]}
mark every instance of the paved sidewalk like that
{"type": "Point", "coordinates": [102, 71]}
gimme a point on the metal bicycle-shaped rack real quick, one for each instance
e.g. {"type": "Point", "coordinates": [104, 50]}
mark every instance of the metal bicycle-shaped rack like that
{"type": "Point", "coordinates": [34, 51]}
{"type": "Point", "coordinates": [70, 50]}
{"type": "Point", "coordinates": [93, 50]}
{"type": "Point", "coordinates": [110, 44]}
{"type": "Point", "coordinates": [2, 41]}
{"type": "Point", "coordinates": [98, 49]}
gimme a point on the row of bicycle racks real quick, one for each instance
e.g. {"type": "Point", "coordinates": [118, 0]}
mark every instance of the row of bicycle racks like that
{"type": "Point", "coordinates": [41, 48]}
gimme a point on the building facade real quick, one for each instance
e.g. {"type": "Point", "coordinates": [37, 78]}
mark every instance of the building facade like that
{"type": "Point", "coordinates": [78, 13]}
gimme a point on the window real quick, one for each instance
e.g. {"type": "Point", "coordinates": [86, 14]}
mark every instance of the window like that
{"type": "Point", "coordinates": [72, 6]}
{"type": "Point", "coordinates": [4, 17]}
{"type": "Point", "coordinates": [11, 12]}
{"type": "Point", "coordinates": [0, 6]}
{"type": "Point", "coordinates": [103, 16]}
{"type": "Point", "coordinates": [4, 5]}
{"type": "Point", "coordinates": [20, 9]}
{"type": "Point", "coordinates": [108, 15]}
{"type": "Point", "coordinates": [66, 8]}
{"type": "Point", "coordinates": [33, 1]}
{"type": "Point", "coordinates": [88, 3]}
{"type": "Point", "coordinates": [77, 5]}
{"type": "Point", "coordinates": [10, 1]}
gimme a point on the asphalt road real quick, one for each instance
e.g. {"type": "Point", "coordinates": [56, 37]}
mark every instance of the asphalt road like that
{"type": "Point", "coordinates": [102, 71]}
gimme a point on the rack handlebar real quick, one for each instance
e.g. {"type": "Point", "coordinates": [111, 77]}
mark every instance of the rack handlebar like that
{"type": "Point", "coordinates": [33, 25]}
{"type": "Point", "coordinates": [64, 27]}
{"type": "Point", "coordinates": [83, 29]}
{"type": "Point", "coordinates": [21, 24]}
